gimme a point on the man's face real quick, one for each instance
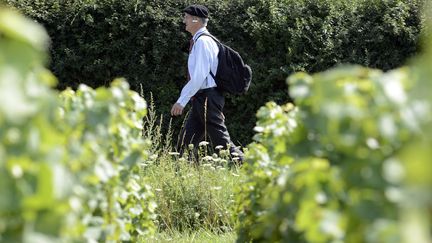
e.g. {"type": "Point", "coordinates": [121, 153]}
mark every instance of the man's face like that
{"type": "Point", "coordinates": [188, 20]}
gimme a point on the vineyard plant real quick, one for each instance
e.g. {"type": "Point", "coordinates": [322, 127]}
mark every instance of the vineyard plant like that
{"type": "Point", "coordinates": [349, 162]}
{"type": "Point", "coordinates": [69, 162]}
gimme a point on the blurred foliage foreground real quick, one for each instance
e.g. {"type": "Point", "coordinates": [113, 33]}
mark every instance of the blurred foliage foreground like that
{"type": "Point", "coordinates": [350, 162]}
{"type": "Point", "coordinates": [69, 162]}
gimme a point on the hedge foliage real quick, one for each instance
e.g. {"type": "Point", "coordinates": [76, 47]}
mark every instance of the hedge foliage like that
{"type": "Point", "coordinates": [94, 41]}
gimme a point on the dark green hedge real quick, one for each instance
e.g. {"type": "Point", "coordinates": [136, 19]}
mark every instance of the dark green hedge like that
{"type": "Point", "coordinates": [94, 41]}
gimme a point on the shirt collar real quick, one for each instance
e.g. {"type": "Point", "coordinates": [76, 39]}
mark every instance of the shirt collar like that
{"type": "Point", "coordinates": [199, 32]}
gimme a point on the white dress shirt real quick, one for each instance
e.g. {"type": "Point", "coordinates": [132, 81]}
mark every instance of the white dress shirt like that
{"type": "Point", "coordinates": [202, 59]}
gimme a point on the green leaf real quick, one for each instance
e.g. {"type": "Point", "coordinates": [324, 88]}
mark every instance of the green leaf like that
{"type": "Point", "coordinates": [17, 27]}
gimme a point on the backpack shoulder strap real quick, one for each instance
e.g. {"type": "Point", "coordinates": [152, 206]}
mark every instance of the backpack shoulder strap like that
{"type": "Point", "coordinates": [216, 40]}
{"type": "Point", "coordinates": [209, 35]}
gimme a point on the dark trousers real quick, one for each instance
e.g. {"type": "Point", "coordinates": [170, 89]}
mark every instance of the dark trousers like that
{"type": "Point", "coordinates": [206, 119]}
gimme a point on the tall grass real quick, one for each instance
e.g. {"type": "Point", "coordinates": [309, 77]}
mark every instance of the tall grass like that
{"type": "Point", "coordinates": [153, 129]}
{"type": "Point", "coordinates": [200, 236]}
{"type": "Point", "coordinates": [191, 197]}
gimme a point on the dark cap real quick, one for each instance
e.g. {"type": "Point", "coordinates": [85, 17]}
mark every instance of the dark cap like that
{"type": "Point", "coordinates": [197, 10]}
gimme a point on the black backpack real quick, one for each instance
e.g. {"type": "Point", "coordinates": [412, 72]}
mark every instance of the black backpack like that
{"type": "Point", "coordinates": [232, 76]}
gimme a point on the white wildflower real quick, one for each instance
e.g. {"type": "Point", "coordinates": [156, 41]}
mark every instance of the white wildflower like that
{"type": "Point", "coordinates": [203, 143]}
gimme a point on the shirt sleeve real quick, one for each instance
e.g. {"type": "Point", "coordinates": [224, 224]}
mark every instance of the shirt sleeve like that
{"type": "Point", "coordinates": [199, 68]}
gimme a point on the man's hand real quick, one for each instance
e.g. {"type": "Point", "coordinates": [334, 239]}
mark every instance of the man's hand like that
{"type": "Point", "coordinates": [176, 109]}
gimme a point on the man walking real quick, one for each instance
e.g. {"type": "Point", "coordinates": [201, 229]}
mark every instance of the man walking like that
{"type": "Point", "coordinates": [206, 117]}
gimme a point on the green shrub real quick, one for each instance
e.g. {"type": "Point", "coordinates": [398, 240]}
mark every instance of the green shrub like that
{"type": "Point", "coordinates": [69, 163]}
{"type": "Point", "coordinates": [104, 131]}
{"type": "Point", "coordinates": [32, 195]}
{"type": "Point", "coordinates": [346, 164]}
{"type": "Point", "coordinates": [94, 41]}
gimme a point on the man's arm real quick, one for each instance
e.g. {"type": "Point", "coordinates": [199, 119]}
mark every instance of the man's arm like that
{"type": "Point", "coordinates": [201, 69]}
